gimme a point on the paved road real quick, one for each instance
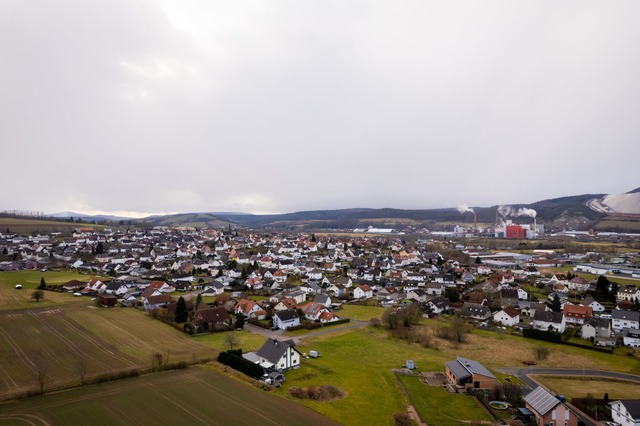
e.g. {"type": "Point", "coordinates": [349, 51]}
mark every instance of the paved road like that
{"type": "Point", "coordinates": [280, 334]}
{"type": "Point", "coordinates": [524, 375]}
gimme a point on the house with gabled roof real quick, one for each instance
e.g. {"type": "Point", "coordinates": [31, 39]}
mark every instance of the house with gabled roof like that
{"type": "Point", "coordinates": [548, 410]}
{"type": "Point", "coordinates": [469, 373]}
{"type": "Point", "coordinates": [624, 319]}
{"type": "Point", "coordinates": [312, 311]}
{"type": "Point", "coordinates": [249, 309]}
{"type": "Point", "coordinates": [215, 318]}
{"type": "Point", "coordinates": [593, 304]}
{"type": "Point", "coordinates": [629, 292]}
{"type": "Point", "coordinates": [548, 321]}
{"type": "Point", "coordinates": [438, 305]}
{"type": "Point", "coordinates": [323, 299]}
{"type": "Point", "coordinates": [284, 304]}
{"type": "Point", "coordinates": [509, 316]}
{"type": "Point", "coordinates": [576, 314]}
{"type": "Point", "coordinates": [475, 311]}
{"type": "Point", "coordinates": [285, 319]}
{"type": "Point", "coordinates": [154, 302]}
{"type": "Point", "coordinates": [362, 292]}
{"type": "Point", "coordinates": [278, 354]}
{"type": "Point", "coordinates": [626, 412]}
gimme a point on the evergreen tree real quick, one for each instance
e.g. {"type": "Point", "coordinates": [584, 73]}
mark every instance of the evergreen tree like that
{"type": "Point", "coordinates": [478, 260]}
{"type": "Point", "coordinates": [182, 313]}
{"type": "Point", "coordinates": [198, 300]}
{"type": "Point", "coordinates": [99, 248]}
{"type": "Point", "coordinates": [43, 284]}
{"type": "Point", "coordinates": [556, 306]}
{"type": "Point", "coordinates": [239, 321]}
{"type": "Point", "coordinates": [5, 251]}
{"type": "Point", "coordinates": [602, 285]}
{"type": "Point", "coordinates": [313, 238]}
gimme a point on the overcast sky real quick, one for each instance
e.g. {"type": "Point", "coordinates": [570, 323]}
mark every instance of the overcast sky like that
{"type": "Point", "coordinates": [280, 106]}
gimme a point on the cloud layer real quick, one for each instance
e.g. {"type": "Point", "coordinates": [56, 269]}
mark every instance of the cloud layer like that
{"type": "Point", "coordinates": [275, 106]}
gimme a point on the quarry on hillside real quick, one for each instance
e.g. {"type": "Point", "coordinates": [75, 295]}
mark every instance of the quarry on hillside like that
{"type": "Point", "coordinates": [616, 203]}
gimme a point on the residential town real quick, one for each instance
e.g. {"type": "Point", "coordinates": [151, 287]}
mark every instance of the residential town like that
{"type": "Point", "coordinates": [314, 276]}
{"type": "Point", "coordinates": [285, 282]}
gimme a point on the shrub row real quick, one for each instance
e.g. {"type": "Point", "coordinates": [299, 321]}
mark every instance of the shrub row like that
{"type": "Point", "coordinates": [240, 364]}
{"type": "Point", "coordinates": [317, 393]}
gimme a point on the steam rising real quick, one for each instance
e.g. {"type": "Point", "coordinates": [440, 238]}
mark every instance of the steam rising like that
{"type": "Point", "coordinates": [463, 208]}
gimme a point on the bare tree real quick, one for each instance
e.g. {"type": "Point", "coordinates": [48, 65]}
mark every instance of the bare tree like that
{"type": "Point", "coordinates": [541, 352]}
{"type": "Point", "coordinates": [37, 295]}
{"type": "Point", "coordinates": [458, 329]}
{"type": "Point", "coordinates": [81, 365]}
{"type": "Point", "coordinates": [231, 340]}
{"type": "Point", "coordinates": [41, 370]}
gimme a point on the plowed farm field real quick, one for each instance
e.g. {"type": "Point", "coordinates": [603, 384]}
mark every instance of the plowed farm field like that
{"type": "Point", "coordinates": [195, 396]}
{"type": "Point", "coordinates": [65, 346]}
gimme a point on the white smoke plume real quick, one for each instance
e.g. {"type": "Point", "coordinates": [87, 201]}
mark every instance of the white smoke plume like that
{"type": "Point", "coordinates": [463, 208]}
{"type": "Point", "coordinates": [504, 211]}
{"type": "Point", "coordinates": [526, 212]}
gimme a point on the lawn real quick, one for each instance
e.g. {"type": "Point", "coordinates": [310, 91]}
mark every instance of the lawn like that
{"type": "Point", "coordinates": [436, 406]}
{"type": "Point", "coordinates": [192, 396]}
{"type": "Point", "coordinates": [359, 363]}
{"type": "Point", "coordinates": [360, 312]}
{"type": "Point", "coordinates": [10, 298]}
{"type": "Point", "coordinates": [576, 387]}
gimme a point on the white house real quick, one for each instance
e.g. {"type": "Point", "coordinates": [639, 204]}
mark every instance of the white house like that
{"type": "Point", "coordinates": [631, 337]}
{"type": "Point", "coordinates": [624, 319]}
{"type": "Point", "coordinates": [363, 292]}
{"type": "Point", "coordinates": [278, 354]}
{"type": "Point", "coordinates": [593, 304]}
{"type": "Point", "coordinates": [549, 321]}
{"type": "Point", "coordinates": [438, 305]}
{"type": "Point", "coordinates": [285, 319]}
{"type": "Point", "coordinates": [626, 412]}
{"type": "Point", "coordinates": [508, 316]}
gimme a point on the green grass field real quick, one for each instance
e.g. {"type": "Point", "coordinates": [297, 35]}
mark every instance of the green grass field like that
{"type": "Point", "coordinates": [193, 396]}
{"type": "Point", "coordinates": [579, 388]}
{"type": "Point", "coordinates": [10, 298]}
{"type": "Point", "coordinates": [437, 406]}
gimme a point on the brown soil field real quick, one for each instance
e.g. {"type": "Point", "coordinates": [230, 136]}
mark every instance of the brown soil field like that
{"type": "Point", "coordinates": [60, 342]}
{"type": "Point", "coordinates": [192, 396]}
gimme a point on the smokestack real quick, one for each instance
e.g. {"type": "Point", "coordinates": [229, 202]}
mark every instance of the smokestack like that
{"type": "Point", "coordinates": [475, 222]}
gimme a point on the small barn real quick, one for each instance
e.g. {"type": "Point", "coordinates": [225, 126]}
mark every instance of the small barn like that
{"type": "Point", "coordinates": [108, 300]}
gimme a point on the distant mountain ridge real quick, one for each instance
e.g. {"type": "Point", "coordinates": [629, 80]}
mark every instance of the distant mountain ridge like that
{"type": "Point", "coordinates": [583, 211]}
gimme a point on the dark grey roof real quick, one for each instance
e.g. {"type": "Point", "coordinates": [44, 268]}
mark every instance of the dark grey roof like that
{"type": "Point", "coordinates": [458, 370]}
{"type": "Point", "coordinates": [633, 407]}
{"type": "Point", "coordinates": [597, 322]}
{"type": "Point", "coordinates": [321, 298]}
{"type": "Point", "coordinates": [274, 349]}
{"type": "Point", "coordinates": [509, 293]}
{"type": "Point", "coordinates": [625, 315]}
{"type": "Point", "coordinates": [464, 367]}
{"type": "Point", "coordinates": [287, 315]}
{"type": "Point", "coordinates": [541, 400]}
{"type": "Point", "coordinates": [439, 302]}
{"type": "Point", "coordinates": [475, 309]}
{"type": "Point", "coordinates": [548, 316]}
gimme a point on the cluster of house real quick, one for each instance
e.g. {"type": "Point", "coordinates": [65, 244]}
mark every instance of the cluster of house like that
{"type": "Point", "coordinates": [327, 271]}
{"type": "Point", "coordinates": [511, 307]}
{"type": "Point", "coordinates": [541, 406]}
